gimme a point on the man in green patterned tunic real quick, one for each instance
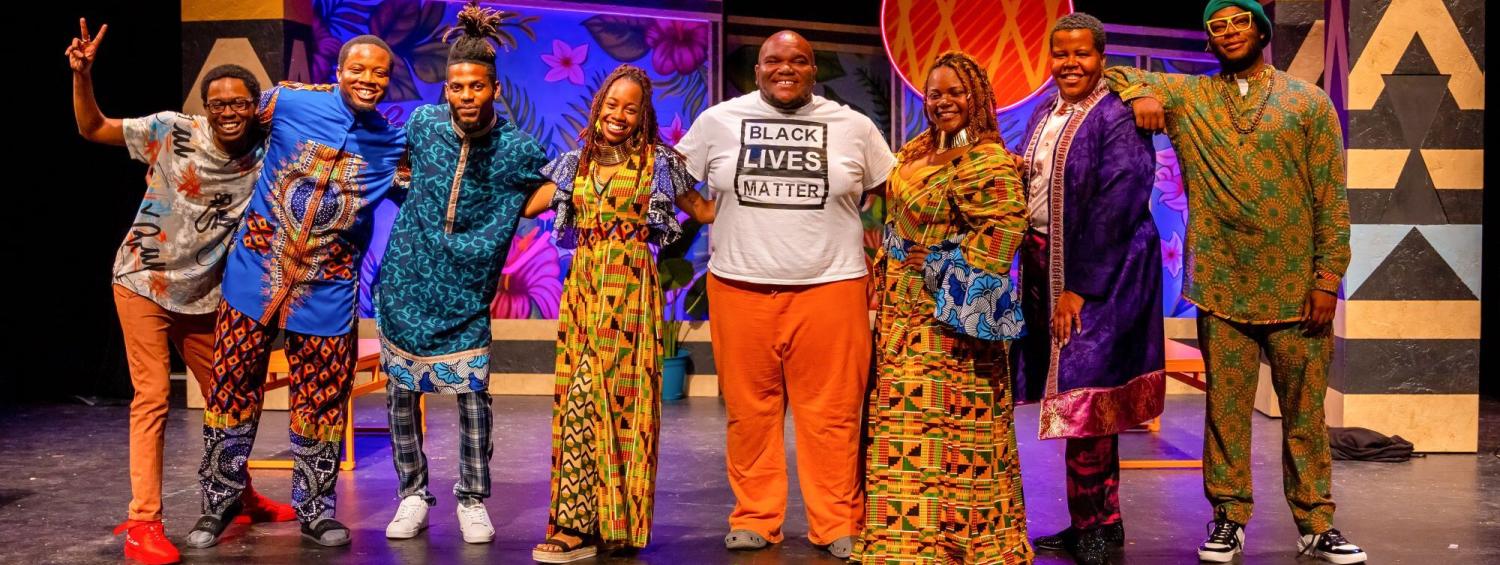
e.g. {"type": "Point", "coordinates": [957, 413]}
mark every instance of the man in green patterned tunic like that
{"type": "Point", "coordinates": [1268, 243]}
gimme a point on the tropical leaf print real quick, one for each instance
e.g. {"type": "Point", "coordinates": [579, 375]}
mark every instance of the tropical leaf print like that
{"type": "Point", "coordinates": [621, 37]}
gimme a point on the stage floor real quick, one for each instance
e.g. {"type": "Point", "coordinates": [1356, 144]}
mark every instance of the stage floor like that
{"type": "Point", "coordinates": [64, 485]}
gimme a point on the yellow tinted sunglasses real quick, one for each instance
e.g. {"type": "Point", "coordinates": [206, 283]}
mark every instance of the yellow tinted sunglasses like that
{"type": "Point", "coordinates": [1229, 24]}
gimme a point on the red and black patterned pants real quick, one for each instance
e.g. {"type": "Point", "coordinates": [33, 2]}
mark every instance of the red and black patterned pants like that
{"type": "Point", "coordinates": [322, 373]}
{"type": "Point", "coordinates": [1093, 481]}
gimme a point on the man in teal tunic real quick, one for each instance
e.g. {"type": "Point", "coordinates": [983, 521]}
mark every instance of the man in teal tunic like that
{"type": "Point", "coordinates": [471, 173]}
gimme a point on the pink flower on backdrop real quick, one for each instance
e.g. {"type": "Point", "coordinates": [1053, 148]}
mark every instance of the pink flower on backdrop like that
{"type": "Point", "coordinates": [1169, 182]}
{"type": "Point", "coordinates": [566, 62]}
{"type": "Point", "coordinates": [671, 134]}
{"type": "Point", "coordinates": [531, 277]}
{"type": "Point", "coordinates": [1171, 254]}
{"type": "Point", "coordinates": [677, 47]}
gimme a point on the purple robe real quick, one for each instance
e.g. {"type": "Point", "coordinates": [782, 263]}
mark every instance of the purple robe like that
{"type": "Point", "coordinates": [1102, 244]}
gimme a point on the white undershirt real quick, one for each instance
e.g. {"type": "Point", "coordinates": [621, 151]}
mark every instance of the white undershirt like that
{"type": "Point", "coordinates": [1038, 201]}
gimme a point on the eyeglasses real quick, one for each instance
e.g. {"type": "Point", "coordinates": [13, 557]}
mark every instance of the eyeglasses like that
{"type": "Point", "coordinates": [238, 105]}
{"type": "Point", "coordinates": [1219, 27]}
{"type": "Point", "coordinates": [934, 96]}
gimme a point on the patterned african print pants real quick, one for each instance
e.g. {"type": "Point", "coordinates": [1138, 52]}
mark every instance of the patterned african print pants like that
{"type": "Point", "coordinates": [474, 447]}
{"type": "Point", "coordinates": [1299, 372]}
{"type": "Point", "coordinates": [1093, 481]}
{"type": "Point", "coordinates": [322, 374]}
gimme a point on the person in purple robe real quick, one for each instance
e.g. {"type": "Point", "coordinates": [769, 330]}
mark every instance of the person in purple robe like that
{"type": "Point", "coordinates": [1091, 284]}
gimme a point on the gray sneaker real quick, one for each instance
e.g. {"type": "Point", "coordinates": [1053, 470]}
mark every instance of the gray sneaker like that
{"type": "Point", "coordinates": [741, 540]}
{"type": "Point", "coordinates": [842, 547]}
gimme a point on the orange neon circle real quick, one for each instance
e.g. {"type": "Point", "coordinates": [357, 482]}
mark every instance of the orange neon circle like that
{"type": "Point", "coordinates": [1007, 37]}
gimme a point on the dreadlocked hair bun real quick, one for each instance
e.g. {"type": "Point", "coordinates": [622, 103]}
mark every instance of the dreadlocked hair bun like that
{"type": "Point", "coordinates": [476, 28]}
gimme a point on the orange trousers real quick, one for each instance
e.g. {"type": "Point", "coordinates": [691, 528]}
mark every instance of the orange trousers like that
{"type": "Point", "coordinates": [807, 346]}
{"type": "Point", "coordinates": [149, 330]}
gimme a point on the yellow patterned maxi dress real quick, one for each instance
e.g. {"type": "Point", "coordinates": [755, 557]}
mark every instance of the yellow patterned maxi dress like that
{"type": "Point", "coordinates": [606, 398]}
{"type": "Point", "coordinates": [943, 476]}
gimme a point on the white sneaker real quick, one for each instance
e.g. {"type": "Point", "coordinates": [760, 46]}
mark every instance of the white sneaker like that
{"type": "Point", "coordinates": [411, 518]}
{"type": "Point", "coordinates": [474, 521]}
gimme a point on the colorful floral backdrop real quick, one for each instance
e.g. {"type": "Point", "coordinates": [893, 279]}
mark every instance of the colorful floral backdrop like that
{"type": "Point", "coordinates": [1168, 202]}
{"type": "Point", "coordinates": [561, 56]}
{"type": "Point", "coordinates": [547, 81]}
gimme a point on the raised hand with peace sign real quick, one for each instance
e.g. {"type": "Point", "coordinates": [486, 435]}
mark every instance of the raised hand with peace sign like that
{"type": "Point", "coordinates": [93, 125]}
{"type": "Point", "coordinates": [84, 47]}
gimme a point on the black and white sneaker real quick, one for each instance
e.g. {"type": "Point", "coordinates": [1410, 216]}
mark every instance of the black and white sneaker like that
{"type": "Point", "coordinates": [1330, 546]}
{"type": "Point", "coordinates": [1225, 539]}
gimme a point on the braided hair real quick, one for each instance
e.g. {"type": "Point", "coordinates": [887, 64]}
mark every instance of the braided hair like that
{"type": "Point", "coordinates": [982, 123]}
{"type": "Point", "coordinates": [645, 138]}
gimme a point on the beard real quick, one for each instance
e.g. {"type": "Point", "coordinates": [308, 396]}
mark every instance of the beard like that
{"type": "Point", "coordinates": [1234, 66]}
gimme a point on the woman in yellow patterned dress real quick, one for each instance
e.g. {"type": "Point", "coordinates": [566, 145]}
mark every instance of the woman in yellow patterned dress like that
{"type": "Point", "coordinates": [943, 478]}
{"type": "Point", "coordinates": [614, 197]}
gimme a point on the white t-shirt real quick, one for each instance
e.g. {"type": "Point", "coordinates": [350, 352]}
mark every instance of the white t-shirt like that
{"type": "Point", "coordinates": [787, 186]}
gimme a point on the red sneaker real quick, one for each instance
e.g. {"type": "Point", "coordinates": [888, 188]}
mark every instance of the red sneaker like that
{"type": "Point", "coordinates": [146, 542]}
{"type": "Point", "coordinates": [258, 508]}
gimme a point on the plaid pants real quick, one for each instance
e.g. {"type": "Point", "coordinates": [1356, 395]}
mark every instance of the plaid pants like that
{"type": "Point", "coordinates": [404, 410]}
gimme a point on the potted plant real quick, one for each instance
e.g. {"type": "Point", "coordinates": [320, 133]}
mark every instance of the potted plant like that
{"type": "Point", "coordinates": [675, 272]}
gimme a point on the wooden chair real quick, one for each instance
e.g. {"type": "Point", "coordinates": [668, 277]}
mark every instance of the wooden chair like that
{"type": "Point", "coordinates": [1185, 364]}
{"type": "Point", "coordinates": [278, 375]}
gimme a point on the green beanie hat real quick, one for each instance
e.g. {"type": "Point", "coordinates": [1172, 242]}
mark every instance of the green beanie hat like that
{"type": "Point", "coordinates": [1256, 12]}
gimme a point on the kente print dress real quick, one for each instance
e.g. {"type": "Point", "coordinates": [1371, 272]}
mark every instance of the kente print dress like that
{"type": "Point", "coordinates": [943, 477]}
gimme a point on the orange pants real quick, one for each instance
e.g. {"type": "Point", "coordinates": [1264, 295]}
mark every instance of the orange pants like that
{"type": "Point", "coordinates": [149, 330]}
{"type": "Point", "coordinates": [807, 346]}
